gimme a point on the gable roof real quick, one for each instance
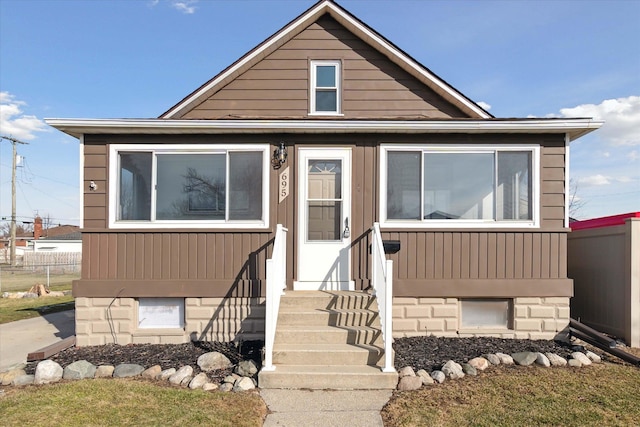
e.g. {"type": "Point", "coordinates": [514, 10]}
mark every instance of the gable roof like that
{"type": "Point", "coordinates": [357, 27]}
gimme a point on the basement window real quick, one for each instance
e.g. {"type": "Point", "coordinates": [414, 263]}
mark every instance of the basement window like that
{"type": "Point", "coordinates": [486, 313]}
{"type": "Point", "coordinates": [161, 313]}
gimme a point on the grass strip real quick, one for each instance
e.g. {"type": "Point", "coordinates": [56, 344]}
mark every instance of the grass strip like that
{"type": "Point", "coordinates": [602, 395]}
{"type": "Point", "coordinates": [120, 402]}
{"type": "Point", "coordinates": [27, 308]}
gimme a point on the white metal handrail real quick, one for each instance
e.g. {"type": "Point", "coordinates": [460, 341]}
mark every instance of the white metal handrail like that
{"type": "Point", "coordinates": [382, 282]}
{"type": "Point", "coordinates": [276, 284]}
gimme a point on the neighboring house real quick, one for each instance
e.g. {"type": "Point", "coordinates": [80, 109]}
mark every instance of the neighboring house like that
{"type": "Point", "coordinates": [326, 128]}
{"type": "Point", "coordinates": [604, 261]}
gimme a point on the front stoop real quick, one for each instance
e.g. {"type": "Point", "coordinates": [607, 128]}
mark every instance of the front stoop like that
{"type": "Point", "coordinates": [328, 340]}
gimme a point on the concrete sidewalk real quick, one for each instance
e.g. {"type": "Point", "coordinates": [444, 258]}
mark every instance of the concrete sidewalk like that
{"type": "Point", "coordinates": [325, 408]}
{"type": "Point", "coordinates": [17, 339]}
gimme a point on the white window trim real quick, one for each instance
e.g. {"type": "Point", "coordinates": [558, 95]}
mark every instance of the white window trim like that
{"type": "Point", "coordinates": [471, 223]}
{"type": "Point", "coordinates": [313, 88]}
{"type": "Point", "coordinates": [114, 178]}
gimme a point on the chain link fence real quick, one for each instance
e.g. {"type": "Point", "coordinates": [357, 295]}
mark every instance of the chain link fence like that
{"type": "Point", "coordinates": [40, 268]}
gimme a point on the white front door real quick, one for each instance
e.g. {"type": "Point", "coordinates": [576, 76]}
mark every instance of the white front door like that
{"type": "Point", "coordinates": [324, 209]}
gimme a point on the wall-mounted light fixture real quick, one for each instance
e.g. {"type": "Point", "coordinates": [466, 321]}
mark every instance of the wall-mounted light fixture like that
{"type": "Point", "coordinates": [279, 156]}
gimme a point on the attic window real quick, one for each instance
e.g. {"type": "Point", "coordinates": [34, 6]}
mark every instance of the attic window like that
{"type": "Point", "coordinates": [325, 87]}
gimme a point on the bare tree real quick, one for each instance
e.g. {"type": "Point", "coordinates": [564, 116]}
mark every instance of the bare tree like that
{"type": "Point", "coordinates": [575, 202]}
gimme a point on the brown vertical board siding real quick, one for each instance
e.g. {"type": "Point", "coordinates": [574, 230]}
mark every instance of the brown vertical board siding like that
{"type": "Point", "coordinates": [518, 255]}
{"type": "Point", "coordinates": [474, 256]}
{"type": "Point", "coordinates": [527, 255]}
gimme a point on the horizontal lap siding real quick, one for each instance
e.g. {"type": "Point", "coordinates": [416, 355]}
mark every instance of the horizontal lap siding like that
{"type": "Point", "coordinates": [95, 169]}
{"type": "Point", "coordinates": [552, 197]}
{"type": "Point", "coordinates": [278, 85]}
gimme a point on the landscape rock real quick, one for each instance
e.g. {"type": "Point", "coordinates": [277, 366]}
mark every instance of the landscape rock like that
{"type": "Point", "coordinates": [244, 384]}
{"type": "Point", "coordinates": [409, 383]}
{"type": "Point", "coordinates": [452, 370]}
{"type": "Point", "coordinates": [575, 363]}
{"type": "Point", "coordinates": [9, 376]}
{"type": "Point", "coordinates": [181, 374]}
{"type": "Point", "coordinates": [225, 387]}
{"type": "Point", "coordinates": [525, 358]}
{"type": "Point", "coordinates": [125, 370]}
{"type": "Point", "coordinates": [23, 380]}
{"type": "Point", "coordinates": [79, 370]}
{"type": "Point", "coordinates": [186, 381]}
{"type": "Point", "coordinates": [213, 360]}
{"type": "Point", "coordinates": [438, 376]}
{"type": "Point", "coordinates": [231, 379]}
{"type": "Point", "coordinates": [166, 374]}
{"type": "Point", "coordinates": [556, 360]}
{"type": "Point", "coordinates": [593, 357]}
{"type": "Point", "coordinates": [581, 357]}
{"type": "Point", "coordinates": [104, 371]}
{"type": "Point", "coordinates": [492, 358]}
{"type": "Point", "coordinates": [480, 363]}
{"type": "Point", "coordinates": [543, 360]}
{"type": "Point", "coordinates": [152, 372]}
{"type": "Point", "coordinates": [505, 359]}
{"type": "Point", "coordinates": [246, 368]}
{"type": "Point", "coordinates": [407, 371]}
{"type": "Point", "coordinates": [469, 370]}
{"type": "Point", "coordinates": [426, 378]}
{"type": "Point", "coordinates": [209, 387]}
{"type": "Point", "coordinates": [48, 372]}
{"type": "Point", "coordinates": [198, 381]}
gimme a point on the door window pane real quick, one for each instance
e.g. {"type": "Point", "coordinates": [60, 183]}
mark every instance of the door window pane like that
{"type": "Point", "coordinates": [191, 186]}
{"type": "Point", "coordinates": [245, 185]}
{"type": "Point", "coordinates": [324, 179]}
{"type": "Point", "coordinates": [514, 186]}
{"type": "Point", "coordinates": [324, 220]}
{"type": "Point", "coordinates": [458, 185]}
{"type": "Point", "coordinates": [403, 185]}
{"type": "Point", "coordinates": [134, 198]}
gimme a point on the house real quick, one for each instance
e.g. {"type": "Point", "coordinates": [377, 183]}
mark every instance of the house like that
{"type": "Point", "coordinates": [297, 165]}
{"type": "Point", "coordinates": [604, 261]}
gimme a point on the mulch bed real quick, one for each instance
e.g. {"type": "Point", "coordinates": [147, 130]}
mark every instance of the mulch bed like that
{"type": "Point", "coordinates": [430, 353]}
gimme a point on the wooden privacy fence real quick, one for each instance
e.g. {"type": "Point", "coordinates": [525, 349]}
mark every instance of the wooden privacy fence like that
{"type": "Point", "coordinates": [67, 261]}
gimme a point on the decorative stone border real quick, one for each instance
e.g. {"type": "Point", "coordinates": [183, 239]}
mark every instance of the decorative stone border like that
{"type": "Point", "coordinates": [410, 380]}
{"type": "Point", "coordinates": [48, 372]}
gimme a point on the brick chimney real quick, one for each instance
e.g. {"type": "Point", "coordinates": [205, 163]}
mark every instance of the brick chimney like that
{"type": "Point", "coordinates": [37, 228]}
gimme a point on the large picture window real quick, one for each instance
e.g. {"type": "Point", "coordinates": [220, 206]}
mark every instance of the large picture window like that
{"type": "Point", "coordinates": [189, 186]}
{"type": "Point", "coordinates": [452, 186]}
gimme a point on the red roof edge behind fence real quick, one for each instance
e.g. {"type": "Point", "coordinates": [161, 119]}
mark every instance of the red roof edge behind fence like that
{"type": "Point", "coordinates": [605, 221]}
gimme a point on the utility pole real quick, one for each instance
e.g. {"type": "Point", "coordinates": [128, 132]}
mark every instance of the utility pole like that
{"type": "Point", "coordinates": [14, 165]}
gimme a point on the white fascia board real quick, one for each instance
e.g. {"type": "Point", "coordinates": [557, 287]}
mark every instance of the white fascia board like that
{"type": "Point", "coordinates": [441, 87]}
{"type": "Point", "coordinates": [248, 58]}
{"type": "Point", "coordinates": [337, 13]}
{"type": "Point", "coordinates": [575, 128]}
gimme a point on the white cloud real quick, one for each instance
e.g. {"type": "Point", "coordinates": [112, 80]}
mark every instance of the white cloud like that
{"type": "Point", "coordinates": [14, 123]}
{"type": "Point", "coordinates": [621, 116]}
{"type": "Point", "coordinates": [484, 105]}
{"type": "Point", "coordinates": [633, 156]}
{"type": "Point", "coordinates": [185, 6]}
{"type": "Point", "coordinates": [593, 180]}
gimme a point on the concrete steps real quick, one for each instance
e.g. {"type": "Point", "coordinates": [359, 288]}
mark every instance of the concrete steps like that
{"type": "Point", "coordinates": [328, 340]}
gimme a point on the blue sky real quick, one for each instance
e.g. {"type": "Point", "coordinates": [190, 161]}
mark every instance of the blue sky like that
{"type": "Point", "coordinates": [137, 58]}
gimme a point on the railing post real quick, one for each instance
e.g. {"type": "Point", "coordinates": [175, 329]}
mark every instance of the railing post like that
{"type": "Point", "coordinates": [388, 325]}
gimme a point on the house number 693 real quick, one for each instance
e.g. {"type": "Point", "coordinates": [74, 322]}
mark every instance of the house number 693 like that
{"type": "Point", "coordinates": [284, 185]}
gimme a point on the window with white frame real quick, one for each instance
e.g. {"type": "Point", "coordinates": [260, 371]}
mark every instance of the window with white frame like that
{"type": "Point", "coordinates": [325, 87]}
{"type": "Point", "coordinates": [456, 185]}
{"type": "Point", "coordinates": [193, 186]}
